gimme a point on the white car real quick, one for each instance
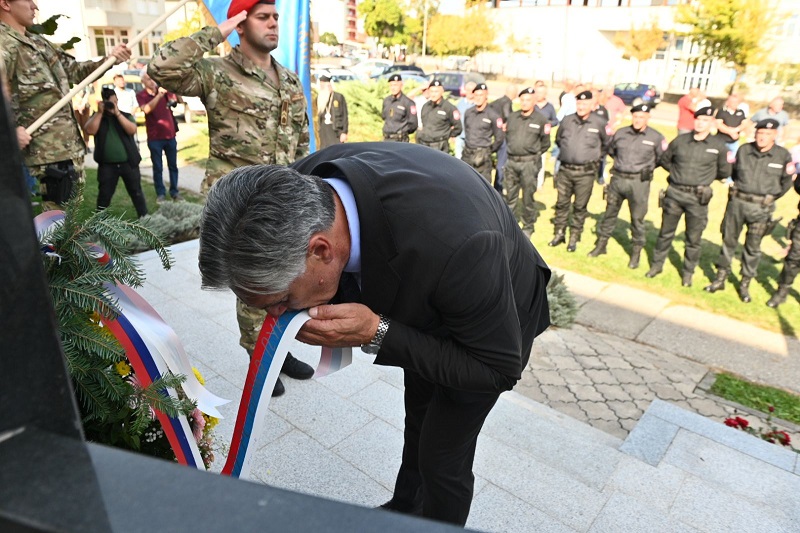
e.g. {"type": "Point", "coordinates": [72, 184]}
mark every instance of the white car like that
{"type": "Point", "coordinates": [371, 67]}
{"type": "Point", "coordinates": [337, 75]}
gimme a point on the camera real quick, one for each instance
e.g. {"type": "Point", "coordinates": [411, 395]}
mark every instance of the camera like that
{"type": "Point", "coordinates": [108, 107]}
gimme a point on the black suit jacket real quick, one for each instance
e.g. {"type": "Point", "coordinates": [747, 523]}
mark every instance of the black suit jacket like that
{"type": "Point", "coordinates": [444, 258]}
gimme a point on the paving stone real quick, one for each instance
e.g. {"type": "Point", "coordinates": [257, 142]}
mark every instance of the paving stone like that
{"type": "Point", "coordinates": [625, 513]}
{"type": "Point", "coordinates": [550, 377]}
{"type": "Point", "coordinates": [613, 392]}
{"type": "Point", "coordinates": [597, 410]}
{"type": "Point", "coordinates": [577, 377]}
{"type": "Point", "coordinates": [637, 361]}
{"type": "Point", "coordinates": [615, 362]}
{"type": "Point", "coordinates": [707, 407]}
{"type": "Point", "coordinates": [613, 427]}
{"type": "Point", "coordinates": [585, 392]}
{"type": "Point", "coordinates": [565, 362]}
{"type": "Point", "coordinates": [667, 392]}
{"type": "Point", "coordinates": [643, 405]}
{"type": "Point", "coordinates": [580, 348]}
{"type": "Point", "coordinates": [570, 409]}
{"type": "Point", "coordinates": [624, 409]}
{"type": "Point", "coordinates": [628, 423]}
{"type": "Point", "coordinates": [639, 392]}
{"type": "Point", "coordinates": [650, 439]}
{"type": "Point", "coordinates": [590, 361]}
{"type": "Point", "coordinates": [528, 387]}
{"type": "Point", "coordinates": [686, 388]}
{"type": "Point", "coordinates": [628, 376]}
{"type": "Point", "coordinates": [652, 376]}
{"type": "Point", "coordinates": [495, 510]}
{"type": "Point", "coordinates": [602, 376]}
{"type": "Point", "coordinates": [558, 394]}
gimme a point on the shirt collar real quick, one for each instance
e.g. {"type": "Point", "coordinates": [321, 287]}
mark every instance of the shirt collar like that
{"type": "Point", "coordinates": [345, 193]}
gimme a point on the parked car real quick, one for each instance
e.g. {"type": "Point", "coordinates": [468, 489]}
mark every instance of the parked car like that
{"type": "Point", "coordinates": [407, 75]}
{"type": "Point", "coordinates": [454, 81]}
{"type": "Point", "coordinates": [335, 74]}
{"type": "Point", "coordinates": [370, 67]}
{"type": "Point", "coordinates": [191, 107]}
{"type": "Point", "coordinates": [637, 93]}
{"type": "Point", "coordinates": [399, 67]}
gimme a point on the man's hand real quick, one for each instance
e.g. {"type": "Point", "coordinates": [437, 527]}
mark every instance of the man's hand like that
{"type": "Point", "coordinates": [229, 25]}
{"type": "Point", "coordinates": [23, 138]}
{"type": "Point", "coordinates": [120, 53]}
{"type": "Point", "coordinates": [343, 138]}
{"type": "Point", "coordinates": [340, 325]}
{"type": "Point", "coordinates": [162, 91]}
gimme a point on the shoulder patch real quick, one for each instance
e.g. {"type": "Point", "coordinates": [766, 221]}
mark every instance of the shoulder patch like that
{"type": "Point", "coordinates": [499, 122]}
{"type": "Point", "coordinates": [456, 114]}
{"type": "Point", "coordinates": [547, 128]}
{"type": "Point", "coordinates": [791, 168]}
{"type": "Point", "coordinates": [297, 96]}
{"type": "Point", "coordinates": [731, 157]}
{"type": "Point", "coordinates": [664, 144]}
{"type": "Point", "coordinates": [413, 109]}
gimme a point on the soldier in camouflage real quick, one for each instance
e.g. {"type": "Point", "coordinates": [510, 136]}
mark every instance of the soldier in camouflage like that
{"type": "Point", "coordinates": [39, 75]}
{"type": "Point", "coordinates": [256, 113]}
{"type": "Point", "coordinates": [256, 107]}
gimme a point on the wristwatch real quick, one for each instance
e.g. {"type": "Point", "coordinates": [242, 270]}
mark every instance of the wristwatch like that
{"type": "Point", "coordinates": [375, 344]}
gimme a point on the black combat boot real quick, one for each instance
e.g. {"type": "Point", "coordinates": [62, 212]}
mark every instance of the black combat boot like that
{"type": "Point", "coordinates": [635, 253]}
{"type": "Point", "coordinates": [654, 271]}
{"type": "Point", "coordinates": [573, 241]}
{"type": "Point", "coordinates": [719, 283]}
{"type": "Point", "coordinates": [744, 289]}
{"type": "Point", "coordinates": [779, 297]}
{"type": "Point", "coordinates": [600, 247]}
{"type": "Point", "coordinates": [559, 238]}
{"type": "Point", "coordinates": [686, 280]}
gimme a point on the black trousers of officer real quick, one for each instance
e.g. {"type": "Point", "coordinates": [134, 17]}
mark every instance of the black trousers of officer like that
{"type": "Point", "coordinates": [480, 159]}
{"type": "Point", "coordinates": [441, 433]}
{"type": "Point", "coordinates": [791, 265]}
{"type": "Point", "coordinates": [519, 174]}
{"type": "Point", "coordinates": [637, 193]}
{"type": "Point", "coordinates": [738, 213]}
{"type": "Point", "coordinates": [578, 183]}
{"type": "Point", "coordinates": [442, 146]}
{"type": "Point", "coordinates": [677, 203]}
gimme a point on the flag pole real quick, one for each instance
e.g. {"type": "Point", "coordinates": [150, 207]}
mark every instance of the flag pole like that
{"type": "Point", "coordinates": [99, 71]}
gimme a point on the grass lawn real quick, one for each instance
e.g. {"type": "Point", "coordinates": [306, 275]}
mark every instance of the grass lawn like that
{"type": "Point", "coordinates": [759, 397]}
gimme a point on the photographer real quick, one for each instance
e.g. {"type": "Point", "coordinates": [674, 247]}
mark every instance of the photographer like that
{"type": "Point", "coordinates": [156, 102]}
{"type": "Point", "coordinates": [115, 152]}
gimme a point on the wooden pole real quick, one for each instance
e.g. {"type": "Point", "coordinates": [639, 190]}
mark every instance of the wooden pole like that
{"type": "Point", "coordinates": [99, 71]}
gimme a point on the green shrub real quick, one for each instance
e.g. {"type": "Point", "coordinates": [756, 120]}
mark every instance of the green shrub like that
{"type": "Point", "coordinates": [563, 307]}
{"type": "Point", "coordinates": [174, 221]}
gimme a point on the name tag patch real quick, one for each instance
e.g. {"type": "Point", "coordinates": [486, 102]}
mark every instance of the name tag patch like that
{"type": "Point", "coordinates": [712, 150]}
{"type": "Point", "coordinates": [401, 108]}
{"type": "Point", "coordinates": [592, 130]}
{"type": "Point", "coordinates": [775, 165]}
{"type": "Point", "coordinates": [441, 112]}
{"type": "Point", "coordinates": [649, 143]}
{"type": "Point", "coordinates": [486, 120]}
{"type": "Point", "coordinates": [534, 126]}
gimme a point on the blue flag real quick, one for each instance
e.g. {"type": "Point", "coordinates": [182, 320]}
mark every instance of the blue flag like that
{"type": "Point", "coordinates": [293, 50]}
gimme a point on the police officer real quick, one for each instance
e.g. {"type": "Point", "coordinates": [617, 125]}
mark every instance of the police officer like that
{"type": "Point", "coordinates": [762, 174]}
{"type": "Point", "coordinates": [399, 112]}
{"type": "Point", "coordinates": [440, 120]}
{"type": "Point", "coordinates": [636, 150]}
{"type": "Point", "coordinates": [527, 137]}
{"type": "Point", "coordinates": [582, 142]}
{"type": "Point", "coordinates": [791, 265]}
{"type": "Point", "coordinates": [694, 160]}
{"type": "Point", "coordinates": [504, 106]}
{"type": "Point", "coordinates": [483, 133]}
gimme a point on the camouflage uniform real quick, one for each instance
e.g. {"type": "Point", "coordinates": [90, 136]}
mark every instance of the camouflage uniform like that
{"type": "Point", "coordinates": [39, 75]}
{"type": "Point", "coordinates": [250, 121]}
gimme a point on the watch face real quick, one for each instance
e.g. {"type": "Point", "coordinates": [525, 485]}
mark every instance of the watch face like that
{"type": "Point", "coordinates": [371, 349]}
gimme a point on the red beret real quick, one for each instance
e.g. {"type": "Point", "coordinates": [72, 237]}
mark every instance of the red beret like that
{"type": "Point", "coordinates": [237, 6]}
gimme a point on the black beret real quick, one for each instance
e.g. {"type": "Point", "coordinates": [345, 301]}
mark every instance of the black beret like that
{"type": "Point", "coordinates": [526, 90]}
{"type": "Point", "coordinates": [585, 95]}
{"type": "Point", "coordinates": [707, 111]}
{"type": "Point", "coordinates": [641, 108]}
{"type": "Point", "coordinates": [436, 83]}
{"type": "Point", "coordinates": [480, 87]}
{"type": "Point", "coordinates": [395, 77]}
{"type": "Point", "coordinates": [767, 124]}
{"type": "Point", "coordinates": [324, 77]}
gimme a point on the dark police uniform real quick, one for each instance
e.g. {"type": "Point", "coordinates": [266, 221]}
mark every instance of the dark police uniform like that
{"type": "Point", "coordinates": [791, 265]}
{"type": "Point", "coordinates": [582, 143]}
{"type": "Point", "coordinates": [440, 121]}
{"type": "Point", "coordinates": [480, 127]}
{"type": "Point", "coordinates": [693, 166]}
{"type": "Point", "coordinates": [759, 178]}
{"type": "Point", "coordinates": [333, 120]}
{"type": "Point", "coordinates": [636, 155]}
{"type": "Point", "coordinates": [527, 137]}
{"type": "Point", "coordinates": [504, 107]}
{"type": "Point", "coordinates": [399, 116]}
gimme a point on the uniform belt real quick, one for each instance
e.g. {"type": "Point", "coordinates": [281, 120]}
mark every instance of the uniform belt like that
{"type": "Point", "coordinates": [684, 188]}
{"type": "Point", "coordinates": [747, 197]}
{"type": "Point", "coordinates": [524, 157]}
{"type": "Point", "coordinates": [395, 135]}
{"type": "Point", "coordinates": [432, 141]}
{"type": "Point", "coordinates": [468, 147]}
{"type": "Point", "coordinates": [626, 175]}
{"type": "Point", "coordinates": [585, 166]}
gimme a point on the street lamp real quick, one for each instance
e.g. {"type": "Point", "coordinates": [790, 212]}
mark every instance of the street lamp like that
{"type": "Point", "coordinates": [425, 29]}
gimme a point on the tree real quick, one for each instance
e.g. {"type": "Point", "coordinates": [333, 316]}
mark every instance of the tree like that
{"type": "Point", "coordinates": [49, 27]}
{"type": "Point", "coordinates": [329, 39]}
{"type": "Point", "coordinates": [640, 43]}
{"type": "Point", "coordinates": [384, 20]}
{"type": "Point", "coordinates": [734, 32]}
{"type": "Point", "coordinates": [467, 35]}
{"type": "Point", "coordinates": [186, 28]}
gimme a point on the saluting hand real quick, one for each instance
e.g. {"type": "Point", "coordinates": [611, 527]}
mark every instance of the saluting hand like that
{"type": "Point", "coordinates": [339, 325]}
{"type": "Point", "coordinates": [229, 25]}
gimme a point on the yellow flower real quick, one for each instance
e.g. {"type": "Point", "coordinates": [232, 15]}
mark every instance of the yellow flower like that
{"type": "Point", "coordinates": [211, 421]}
{"type": "Point", "coordinates": [199, 376]}
{"type": "Point", "coordinates": [123, 368]}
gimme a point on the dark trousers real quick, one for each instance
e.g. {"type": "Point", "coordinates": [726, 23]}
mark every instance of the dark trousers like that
{"type": "Point", "coordinates": [738, 213]}
{"type": "Point", "coordinates": [520, 175]}
{"type": "Point", "coordinates": [791, 265]}
{"type": "Point", "coordinates": [675, 204]}
{"type": "Point", "coordinates": [441, 433]}
{"type": "Point", "coordinates": [442, 146]}
{"type": "Point", "coordinates": [637, 193]}
{"type": "Point", "coordinates": [480, 159]}
{"type": "Point", "coordinates": [168, 147]}
{"type": "Point", "coordinates": [578, 184]}
{"type": "Point", "coordinates": [108, 175]}
{"type": "Point", "coordinates": [499, 174]}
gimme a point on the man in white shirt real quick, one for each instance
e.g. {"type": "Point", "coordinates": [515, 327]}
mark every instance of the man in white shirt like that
{"type": "Point", "coordinates": [126, 98]}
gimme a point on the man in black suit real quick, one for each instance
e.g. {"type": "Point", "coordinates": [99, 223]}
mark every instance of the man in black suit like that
{"type": "Point", "coordinates": [441, 282]}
